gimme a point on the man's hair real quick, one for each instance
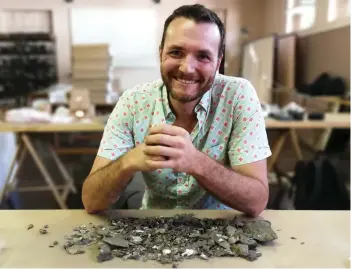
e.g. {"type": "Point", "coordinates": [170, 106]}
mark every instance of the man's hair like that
{"type": "Point", "coordinates": [199, 14]}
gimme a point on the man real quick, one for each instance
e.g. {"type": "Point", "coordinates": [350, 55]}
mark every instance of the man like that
{"type": "Point", "coordinates": [198, 137]}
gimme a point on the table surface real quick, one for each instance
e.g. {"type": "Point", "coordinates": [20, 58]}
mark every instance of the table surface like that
{"type": "Point", "coordinates": [332, 120]}
{"type": "Point", "coordinates": [325, 235]}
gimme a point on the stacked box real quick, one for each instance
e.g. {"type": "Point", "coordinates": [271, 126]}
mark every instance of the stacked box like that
{"type": "Point", "coordinates": [90, 70]}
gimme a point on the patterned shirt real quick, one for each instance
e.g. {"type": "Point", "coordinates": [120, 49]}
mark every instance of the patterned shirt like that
{"type": "Point", "coordinates": [230, 129]}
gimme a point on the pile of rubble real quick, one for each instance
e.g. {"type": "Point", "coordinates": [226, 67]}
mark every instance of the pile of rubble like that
{"type": "Point", "coordinates": [172, 239]}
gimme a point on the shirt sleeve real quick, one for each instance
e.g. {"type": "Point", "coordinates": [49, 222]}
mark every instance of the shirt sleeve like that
{"type": "Point", "coordinates": [117, 138]}
{"type": "Point", "coordinates": [248, 141]}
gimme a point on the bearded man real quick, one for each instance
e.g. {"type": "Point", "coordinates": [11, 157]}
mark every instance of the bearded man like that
{"type": "Point", "coordinates": [197, 136]}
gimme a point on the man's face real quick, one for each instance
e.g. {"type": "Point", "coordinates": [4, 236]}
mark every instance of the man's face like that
{"type": "Point", "coordinates": [189, 58]}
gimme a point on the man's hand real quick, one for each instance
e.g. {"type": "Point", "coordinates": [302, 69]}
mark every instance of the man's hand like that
{"type": "Point", "coordinates": [139, 161]}
{"type": "Point", "coordinates": [174, 145]}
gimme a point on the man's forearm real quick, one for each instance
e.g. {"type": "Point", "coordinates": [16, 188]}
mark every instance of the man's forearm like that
{"type": "Point", "coordinates": [103, 185]}
{"type": "Point", "coordinates": [239, 192]}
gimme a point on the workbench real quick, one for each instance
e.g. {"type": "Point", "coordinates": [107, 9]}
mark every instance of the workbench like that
{"type": "Point", "coordinates": [325, 236]}
{"type": "Point", "coordinates": [26, 145]}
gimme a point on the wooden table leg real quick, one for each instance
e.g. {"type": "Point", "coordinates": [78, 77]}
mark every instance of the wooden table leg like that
{"type": "Point", "coordinates": [11, 182]}
{"type": "Point", "coordinates": [67, 177]}
{"type": "Point", "coordinates": [276, 149]}
{"type": "Point", "coordinates": [296, 145]}
{"type": "Point", "coordinates": [10, 173]}
{"type": "Point", "coordinates": [43, 170]}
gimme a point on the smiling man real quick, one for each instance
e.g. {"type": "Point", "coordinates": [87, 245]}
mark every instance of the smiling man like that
{"type": "Point", "coordinates": [198, 137]}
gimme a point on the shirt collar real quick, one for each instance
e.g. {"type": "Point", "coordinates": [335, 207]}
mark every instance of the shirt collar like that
{"type": "Point", "coordinates": [204, 103]}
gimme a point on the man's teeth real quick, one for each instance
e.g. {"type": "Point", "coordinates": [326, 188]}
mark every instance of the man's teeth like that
{"type": "Point", "coordinates": [186, 81]}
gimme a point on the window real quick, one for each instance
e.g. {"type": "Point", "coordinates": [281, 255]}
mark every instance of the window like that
{"type": "Point", "coordinates": [338, 9]}
{"type": "Point", "coordinates": [130, 33]}
{"type": "Point", "coordinates": [300, 15]}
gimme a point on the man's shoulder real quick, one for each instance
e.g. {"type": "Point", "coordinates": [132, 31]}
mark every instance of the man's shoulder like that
{"type": "Point", "coordinates": [230, 81]}
{"type": "Point", "coordinates": [143, 89]}
{"type": "Point", "coordinates": [228, 85]}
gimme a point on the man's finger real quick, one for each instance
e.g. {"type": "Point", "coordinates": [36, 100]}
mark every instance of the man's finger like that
{"type": "Point", "coordinates": [160, 164]}
{"type": "Point", "coordinates": [157, 158]}
{"type": "Point", "coordinates": [162, 139]}
{"type": "Point", "coordinates": [167, 129]}
{"type": "Point", "coordinates": [161, 151]}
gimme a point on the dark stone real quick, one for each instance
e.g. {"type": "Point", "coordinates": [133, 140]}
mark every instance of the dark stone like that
{"type": "Point", "coordinates": [116, 241]}
{"type": "Point", "coordinates": [259, 230]}
{"type": "Point", "coordinates": [105, 253]}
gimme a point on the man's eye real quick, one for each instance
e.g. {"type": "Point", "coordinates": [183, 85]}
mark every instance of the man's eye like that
{"type": "Point", "coordinates": [175, 53]}
{"type": "Point", "coordinates": [203, 57]}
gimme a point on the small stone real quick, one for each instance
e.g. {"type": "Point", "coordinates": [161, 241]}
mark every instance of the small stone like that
{"type": "Point", "coordinates": [105, 253]}
{"type": "Point", "coordinates": [46, 226]}
{"type": "Point", "coordinates": [73, 250]}
{"type": "Point", "coordinates": [162, 231]}
{"type": "Point", "coordinates": [30, 226]}
{"type": "Point", "coordinates": [43, 231]}
{"type": "Point", "coordinates": [233, 240]}
{"type": "Point", "coordinates": [189, 252]}
{"type": "Point", "coordinates": [203, 256]}
{"type": "Point", "coordinates": [55, 243]}
{"type": "Point", "coordinates": [230, 230]}
{"type": "Point", "coordinates": [136, 239]}
{"type": "Point", "coordinates": [302, 243]}
{"type": "Point", "coordinates": [174, 266]}
{"type": "Point", "coordinates": [116, 241]}
{"type": "Point", "coordinates": [293, 237]}
{"type": "Point", "coordinates": [166, 251]}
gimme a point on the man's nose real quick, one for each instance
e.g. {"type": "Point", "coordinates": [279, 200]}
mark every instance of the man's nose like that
{"type": "Point", "coordinates": [187, 64]}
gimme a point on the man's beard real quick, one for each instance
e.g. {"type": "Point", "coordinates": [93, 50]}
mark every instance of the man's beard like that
{"type": "Point", "coordinates": [190, 98]}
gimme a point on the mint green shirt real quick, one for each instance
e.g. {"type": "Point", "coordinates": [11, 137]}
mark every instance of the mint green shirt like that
{"type": "Point", "coordinates": [230, 129]}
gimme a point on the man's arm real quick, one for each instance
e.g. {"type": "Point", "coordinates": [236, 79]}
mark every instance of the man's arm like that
{"type": "Point", "coordinates": [106, 181]}
{"type": "Point", "coordinates": [109, 175]}
{"type": "Point", "coordinates": [244, 187]}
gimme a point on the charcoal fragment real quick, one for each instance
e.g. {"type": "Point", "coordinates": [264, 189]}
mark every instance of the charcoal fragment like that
{"type": "Point", "coordinates": [30, 226]}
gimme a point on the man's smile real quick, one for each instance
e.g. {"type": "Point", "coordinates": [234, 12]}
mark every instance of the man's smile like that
{"type": "Point", "coordinates": [186, 81]}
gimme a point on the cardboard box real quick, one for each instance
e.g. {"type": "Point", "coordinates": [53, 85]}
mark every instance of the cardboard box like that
{"type": "Point", "coordinates": [85, 52]}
